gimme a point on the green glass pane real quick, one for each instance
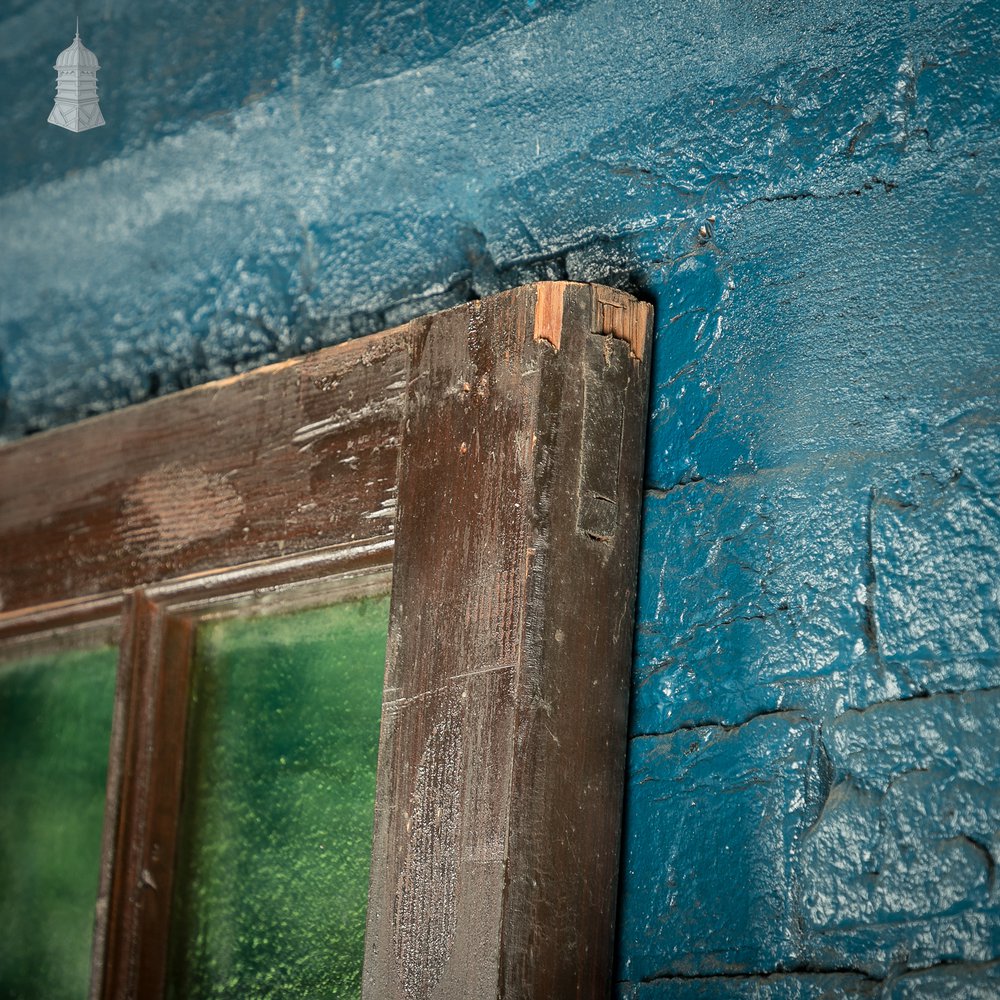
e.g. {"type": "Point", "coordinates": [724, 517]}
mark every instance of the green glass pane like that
{"type": "Point", "coordinates": [55, 724]}
{"type": "Point", "coordinates": [272, 885]}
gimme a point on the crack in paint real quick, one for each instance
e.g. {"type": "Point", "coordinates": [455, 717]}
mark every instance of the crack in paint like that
{"type": "Point", "coordinates": [795, 714]}
{"type": "Point", "coordinates": [872, 184]}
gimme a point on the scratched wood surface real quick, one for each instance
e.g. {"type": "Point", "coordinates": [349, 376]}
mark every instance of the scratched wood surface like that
{"type": "Point", "coordinates": [136, 894]}
{"type": "Point", "coordinates": [284, 459]}
{"type": "Point", "coordinates": [498, 803]}
{"type": "Point", "coordinates": [515, 429]}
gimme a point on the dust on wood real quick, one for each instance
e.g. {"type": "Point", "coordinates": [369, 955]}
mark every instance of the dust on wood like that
{"type": "Point", "coordinates": [175, 505]}
{"type": "Point", "coordinates": [502, 754]}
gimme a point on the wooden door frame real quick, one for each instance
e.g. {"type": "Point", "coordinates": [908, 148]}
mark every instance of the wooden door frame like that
{"type": "Point", "coordinates": [490, 459]}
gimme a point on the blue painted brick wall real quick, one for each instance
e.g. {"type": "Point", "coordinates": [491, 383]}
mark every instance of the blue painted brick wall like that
{"type": "Point", "coordinates": [808, 192]}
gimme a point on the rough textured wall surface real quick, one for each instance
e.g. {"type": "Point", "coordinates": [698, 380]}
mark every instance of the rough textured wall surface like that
{"type": "Point", "coordinates": [808, 192]}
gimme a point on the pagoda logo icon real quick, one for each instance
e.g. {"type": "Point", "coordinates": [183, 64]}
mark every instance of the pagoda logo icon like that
{"type": "Point", "coordinates": [76, 106]}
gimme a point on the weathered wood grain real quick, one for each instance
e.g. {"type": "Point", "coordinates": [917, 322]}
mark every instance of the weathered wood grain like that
{"type": "Point", "coordinates": [285, 459]}
{"type": "Point", "coordinates": [513, 565]}
{"type": "Point", "coordinates": [157, 648]}
{"type": "Point", "coordinates": [149, 742]}
{"type": "Point", "coordinates": [501, 760]}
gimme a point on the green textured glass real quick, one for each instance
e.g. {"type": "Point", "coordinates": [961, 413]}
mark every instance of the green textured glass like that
{"type": "Point", "coordinates": [272, 887]}
{"type": "Point", "coordinates": [55, 724]}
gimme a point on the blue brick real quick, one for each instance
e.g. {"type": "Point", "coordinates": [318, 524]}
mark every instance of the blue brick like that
{"type": "Point", "coordinates": [899, 866]}
{"type": "Point", "coordinates": [712, 824]}
{"type": "Point", "coordinates": [956, 982]}
{"type": "Point", "coordinates": [776, 986]}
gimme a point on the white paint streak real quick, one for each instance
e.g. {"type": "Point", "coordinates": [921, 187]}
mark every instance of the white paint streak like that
{"type": "Point", "coordinates": [387, 509]}
{"type": "Point", "coordinates": [309, 432]}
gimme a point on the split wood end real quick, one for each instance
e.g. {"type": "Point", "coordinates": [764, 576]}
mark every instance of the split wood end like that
{"type": "Point", "coordinates": [614, 312]}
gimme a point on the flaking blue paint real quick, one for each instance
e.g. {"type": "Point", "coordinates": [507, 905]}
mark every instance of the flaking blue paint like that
{"type": "Point", "coordinates": [812, 803]}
